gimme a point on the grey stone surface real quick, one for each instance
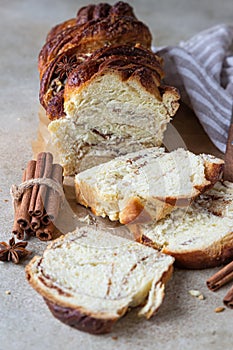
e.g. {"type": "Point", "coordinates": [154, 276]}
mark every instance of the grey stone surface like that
{"type": "Point", "coordinates": [183, 322]}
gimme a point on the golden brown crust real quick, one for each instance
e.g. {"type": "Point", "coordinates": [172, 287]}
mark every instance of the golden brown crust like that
{"type": "Point", "coordinates": [173, 104]}
{"type": "Point", "coordinates": [79, 320]}
{"type": "Point", "coordinates": [103, 10]}
{"type": "Point", "coordinates": [216, 254]}
{"type": "Point", "coordinates": [90, 13]}
{"type": "Point", "coordinates": [52, 47]}
{"type": "Point", "coordinates": [134, 211]}
{"type": "Point", "coordinates": [112, 31]}
{"type": "Point", "coordinates": [60, 27]}
{"type": "Point", "coordinates": [94, 31]}
{"type": "Point", "coordinates": [92, 36]}
{"type": "Point", "coordinates": [213, 172]}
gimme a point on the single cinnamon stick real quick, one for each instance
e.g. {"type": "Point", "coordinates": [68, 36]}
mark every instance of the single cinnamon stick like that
{"type": "Point", "coordinates": [45, 233]}
{"type": "Point", "coordinates": [35, 223]}
{"type": "Point", "coordinates": [53, 200]}
{"type": "Point", "coordinates": [228, 299]}
{"type": "Point", "coordinates": [41, 196]}
{"type": "Point", "coordinates": [18, 231]}
{"type": "Point", "coordinates": [22, 214]}
{"type": "Point", "coordinates": [40, 164]}
{"type": "Point", "coordinates": [45, 219]}
{"type": "Point", "coordinates": [221, 277]}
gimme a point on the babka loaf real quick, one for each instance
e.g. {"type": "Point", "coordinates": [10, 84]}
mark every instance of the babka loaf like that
{"type": "Point", "coordinates": [89, 278]}
{"type": "Point", "coordinates": [147, 184]}
{"type": "Point", "coordinates": [101, 87]}
{"type": "Point", "coordinates": [198, 236]}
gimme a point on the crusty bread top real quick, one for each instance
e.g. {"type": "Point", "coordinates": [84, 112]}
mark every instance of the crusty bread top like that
{"type": "Point", "coordinates": [198, 236]}
{"type": "Point", "coordinates": [95, 26]}
{"type": "Point", "coordinates": [100, 274]}
{"type": "Point", "coordinates": [93, 12]}
{"type": "Point", "coordinates": [102, 10]}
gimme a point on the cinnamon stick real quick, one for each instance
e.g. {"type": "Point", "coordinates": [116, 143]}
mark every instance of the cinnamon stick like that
{"type": "Point", "coordinates": [228, 299]}
{"type": "Point", "coordinates": [40, 165]}
{"type": "Point", "coordinates": [18, 231]}
{"type": "Point", "coordinates": [221, 277]}
{"type": "Point", "coordinates": [45, 219]}
{"type": "Point", "coordinates": [53, 198]}
{"type": "Point", "coordinates": [45, 233]}
{"type": "Point", "coordinates": [41, 196]}
{"type": "Point", "coordinates": [35, 223]}
{"type": "Point", "coordinates": [23, 217]}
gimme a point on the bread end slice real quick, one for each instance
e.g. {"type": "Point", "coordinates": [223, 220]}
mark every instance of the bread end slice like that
{"type": "Point", "coordinates": [90, 278]}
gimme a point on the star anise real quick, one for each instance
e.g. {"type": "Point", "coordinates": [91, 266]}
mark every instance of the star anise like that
{"type": "Point", "coordinates": [65, 66]}
{"type": "Point", "coordinates": [13, 251]}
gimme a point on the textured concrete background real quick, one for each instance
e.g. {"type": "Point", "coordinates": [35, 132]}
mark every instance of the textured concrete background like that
{"type": "Point", "coordinates": [25, 322]}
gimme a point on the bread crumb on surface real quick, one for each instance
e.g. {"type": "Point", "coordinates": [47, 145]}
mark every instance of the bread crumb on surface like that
{"type": "Point", "coordinates": [197, 294]}
{"type": "Point", "coordinates": [219, 309]}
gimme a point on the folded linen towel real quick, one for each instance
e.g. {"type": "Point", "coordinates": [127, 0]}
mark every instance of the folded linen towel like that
{"type": "Point", "coordinates": [202, 69]}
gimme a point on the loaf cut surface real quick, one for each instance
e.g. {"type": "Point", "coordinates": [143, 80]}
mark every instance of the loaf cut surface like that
{"type": "Point", "coordinates": [89, 278]}
{"type": "Point", "coordinates": [113, 104]}
{"type": "Point", "coordinates": [199, 236]}
{"type": "Point", "coordinates": [147, 184]}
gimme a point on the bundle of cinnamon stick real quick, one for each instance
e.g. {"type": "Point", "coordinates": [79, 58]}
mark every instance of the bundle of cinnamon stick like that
{"type": "Point", "coordinates": [219, 279]}
{"type": "Point", "coordinates": [36, 211]}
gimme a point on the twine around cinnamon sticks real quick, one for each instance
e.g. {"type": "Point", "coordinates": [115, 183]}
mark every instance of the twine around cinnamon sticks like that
{"type": "Point", "coordinates": [37, 200]}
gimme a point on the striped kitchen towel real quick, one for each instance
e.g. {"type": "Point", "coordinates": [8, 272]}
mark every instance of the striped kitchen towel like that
{"type": "Point", "coordinates": [202, 69]}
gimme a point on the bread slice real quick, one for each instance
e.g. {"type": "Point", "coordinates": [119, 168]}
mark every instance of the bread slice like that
{"type": "Point", "coordinates": [147, 184]}
{"type": "Point", "coordinates": [199, 236]}
{"type": "Point", "coordinates": [89, 278]}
